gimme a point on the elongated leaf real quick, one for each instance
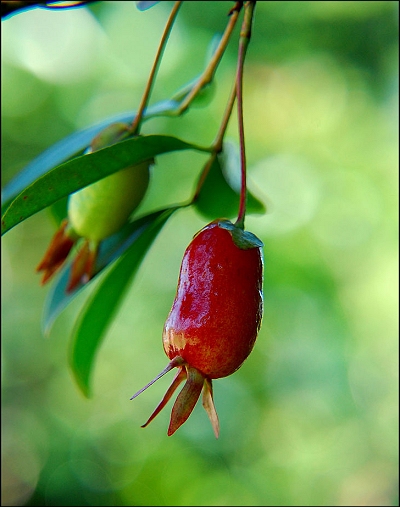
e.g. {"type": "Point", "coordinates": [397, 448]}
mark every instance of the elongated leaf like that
{"type": "Point", "coordinates": [57, 154]}
{"type": "Point", "coordinates": [219, 195]}
{"type": "Point", "coordinates": [110, 249]}
{"type": "Point", "coordinates": [59, 210]}
{"type": "Point", "coordinates": [81, 171]}
{"type": "Point", "coordinates": [77, 142]}
{"type": "Point", "coordinates": [104, 301]}
{"type": "Point", "coordinates": [71, 146]}
{"type": "Point", "coordinates": [230, 166]}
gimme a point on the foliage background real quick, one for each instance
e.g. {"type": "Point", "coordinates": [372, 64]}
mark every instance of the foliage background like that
{"type": "Point", "coordinates": [312, 416]}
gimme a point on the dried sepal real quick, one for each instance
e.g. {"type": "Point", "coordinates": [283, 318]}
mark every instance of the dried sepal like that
{"type": "Point", "coordinates": [83, 265]}
{"type": "Point", "coordinates": [186, 400]}
{"type": "Point", "coordinates": [57, 252]}
{"type": "Point", "coordinates": [209, 407]}
{"type": "Point", "coordinates": [178, 379]}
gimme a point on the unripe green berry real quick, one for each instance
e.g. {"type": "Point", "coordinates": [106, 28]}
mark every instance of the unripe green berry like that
{"type": "Point", "coordinates": [96, 212]}
{"type": "Point", "coordinates": [102, 208]}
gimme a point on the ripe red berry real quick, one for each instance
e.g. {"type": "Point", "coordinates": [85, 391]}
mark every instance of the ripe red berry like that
{"type": "Point", "coordinates": [215, 318]}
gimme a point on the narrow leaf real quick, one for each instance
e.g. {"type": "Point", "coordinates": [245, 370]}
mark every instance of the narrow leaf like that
{"type": "Point", "coordinates": [57, 154]}
{"type": "Point", "coordinates": [81, 171]}
{"type": "Point", "coordinates": [220, 193]}
{"type": "Point", "coordinates": [104, 302]}
{"type": "Point", "coordinates": [71, 146]}
{"type": "Point", "coordinates": [230, 166]}
{"type": "Point", "coordinates": [59, 210]}
{"type": "Point", "coordinates": [109, 250]}
{"type": "Point", "coordinates": [77, 142]}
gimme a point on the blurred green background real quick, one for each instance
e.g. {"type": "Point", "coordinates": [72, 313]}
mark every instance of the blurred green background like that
{"type": "Point", "coordinates": [311, 418]}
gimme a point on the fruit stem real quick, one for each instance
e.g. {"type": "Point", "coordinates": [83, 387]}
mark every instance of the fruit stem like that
{"type": "Point", "coordinates": [209, 72]}
{"type": "Point", "coordinates": [245, 34]}
{"type": "Point", "coordinates": [202, 178]}
{"type": "Point", "coordinates": [217, 144]}
{"type": "Point", "coordinates": [135, 127]}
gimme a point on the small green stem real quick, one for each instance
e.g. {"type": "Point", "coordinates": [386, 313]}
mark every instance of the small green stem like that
{"type": "Point", "coordinates": [217, 144]}
{"type": "Point", "coordinates": [202, 178]}
{"type": "Point", "coordinates": [136, 124]}
{"type": "Point", "coordinates": [209, 72]}
{"type": "Point", "coordinates": [245, 35]}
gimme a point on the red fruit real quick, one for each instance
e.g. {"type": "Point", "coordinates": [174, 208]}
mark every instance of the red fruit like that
{"type": "Point", "coordinates": [215, 318]}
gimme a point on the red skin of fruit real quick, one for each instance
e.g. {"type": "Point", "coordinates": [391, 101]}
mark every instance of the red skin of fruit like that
{"type": "Point", "coordinates": [216, 315]}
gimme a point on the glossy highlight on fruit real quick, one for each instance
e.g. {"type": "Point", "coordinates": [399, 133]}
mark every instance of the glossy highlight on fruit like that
{"type": "Point", "coordinates": [215, 317]}
{"type": "Point", "coordinates": [95, 212]}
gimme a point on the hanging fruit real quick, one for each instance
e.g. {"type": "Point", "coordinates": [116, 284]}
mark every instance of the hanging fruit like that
{"type": "Point", "coordinates": [215, 317]}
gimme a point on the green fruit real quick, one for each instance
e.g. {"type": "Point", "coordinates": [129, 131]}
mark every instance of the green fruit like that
{"type": "Point", "coordinates": [102, 208]}
{"type": "Point", "coordinates": [96, 212]}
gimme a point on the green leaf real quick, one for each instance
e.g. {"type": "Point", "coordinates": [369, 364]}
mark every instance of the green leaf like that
{"type": "Point", "coordinates": [77, 142]}
{"type": "Point", "coordinates": [59, 210]}
{"type": "Point", "coordinates": [71, 146]}
{"type": "Point", "coordinates": [81, 171]}
{"type": "Point", "coordinates": [104, 302]}
{"type": "Point", "coordinates": [216, 198]}
{"type": "Point", "coordinates": [230, 166]}
{"type": "Point", "coordinates": [220, 193]}
{"type": "Point", "coordinates": [57, 154]}
{"type": "Point", "coordinates": [109, 250]}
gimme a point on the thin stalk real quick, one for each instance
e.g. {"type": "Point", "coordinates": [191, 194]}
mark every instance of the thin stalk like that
{"type": "Point", "coordinates": [217, 144]}
{"type": "Point", "coordinates": [209, 72]}
{"type": "Point", "coordinates": [245, 35]}
{"type": "Point", "coordinates": [225, 120]}
{"type": "Point", "coordinates": [135, 127]}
